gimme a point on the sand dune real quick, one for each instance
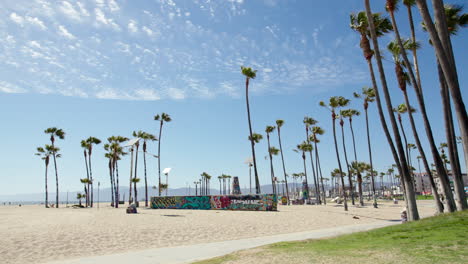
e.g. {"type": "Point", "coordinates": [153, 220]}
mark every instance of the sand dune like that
{"type": "Point", "coordinates": [33, 234]}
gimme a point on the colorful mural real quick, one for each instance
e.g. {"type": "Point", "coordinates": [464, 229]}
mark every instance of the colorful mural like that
{"type": "Point", "coordinates": [260, 202]}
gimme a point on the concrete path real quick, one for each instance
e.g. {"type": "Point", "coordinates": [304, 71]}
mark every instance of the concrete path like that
{"type": "Point", "coordinates": [191, 253]}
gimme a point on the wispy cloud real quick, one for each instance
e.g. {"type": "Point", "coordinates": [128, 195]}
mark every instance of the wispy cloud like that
{"type": "Point", "coordinates": [65, 33]}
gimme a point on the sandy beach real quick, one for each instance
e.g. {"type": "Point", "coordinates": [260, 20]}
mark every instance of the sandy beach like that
{"type": "Point", "coordinates": [33, 234]}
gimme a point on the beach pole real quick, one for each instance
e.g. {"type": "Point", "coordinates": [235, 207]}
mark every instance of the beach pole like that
{"type": "Point", "coordinates": [98, 185]}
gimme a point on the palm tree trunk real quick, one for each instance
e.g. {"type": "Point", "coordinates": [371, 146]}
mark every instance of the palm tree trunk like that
{"type": "Point", "coordinates": [220, 189]}
{"type": "Point", "coordinates": [410, 196]}
{"type": "Point", "coordinates": [257, 182]}
{"type": "Point", "coordinates": [136, 166]}
{"type": "Point", "coordinates": [435, 193]}
{"type": "Point", "coordinates": [317, 192]}
{"type": "Point", "coordinates": [437, 160]}
{"type": "Point", "coordinates": [350, 177]}
{"type": "Point", "coordinates": [443, 50]}
{"type": "Point", "coordinates": [111, 178]}
{"type": "Point", "coordinates": [117, 197]}
{"type": "Point", "coordinates": [352, 136]}
{"type": "Point", "coordinates": [87, 176]}
{"type": "Point", "coordinates": [271, 166]}
{"type": "Point", "coordinates": [305, 176]}
{"type": "Point", "coordinates": [458, 184]}
{"type": "Point", "coordinates": [284, 168]}
{"type": "Point", "coordinates": [46, 190]}
{"type": "Point", "coordinates": [339, 162]}
{"type": "Point", "coordinates": [90, 184]}
{"type": "Point", "coordinates": [404, 134]}
{"type": "Point", "coordinates": [413, 39]}
{"type": "Point", "coordinates": [371, 164]}
{"type": "Point", "coordinates": [131, 176]}
{"type": "Point", "coordinates": [319, 171]}
{"type": "Point", "coordinates": [146, 180]}
{"type": "Point", "coordinates": [159, 156]}
{"type": "Point", "coordinates": [56, 181]}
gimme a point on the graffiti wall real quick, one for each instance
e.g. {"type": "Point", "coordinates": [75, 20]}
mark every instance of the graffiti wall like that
{"type": "Point", "coordinates": [260, 202]}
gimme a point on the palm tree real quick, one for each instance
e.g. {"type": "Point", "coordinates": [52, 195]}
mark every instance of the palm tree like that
{"type": "Point", "coordinates": [45, 153]}
{"type": "Point", "coordinates": [228, 177]}
{"type": "Point", "coordinates": [279, 124]}
{"type": "Point", "coordinates": [351, 188]}
{"type": "Point", "coordinates": [55, 132]}
{"type": "Point", "coordinates": [308, 122]}
{"type": "Point", "coordinates": [135, 181]}
{"type": "Point", "coordinates": [85, 147]}
{"type": "Point", "coordinates": [268, 130]}
{"type": "Point", "coordinates": [316, 130]}
{"type": "Point", "coordinates": [146, 137]}
{"type": "Point", "coordinates": [403, 109]}
{"type": "Point", "coordinates": [358, 168]}
{"type": "Point", "coordinates": [115, 153]}
{"type": "Point", "coordinates": [164, 186]}
{"type": "Point", "coordinates": [303, 148]}
{"type": "Point", "coordinates": [80, 196]}
{"type": "Point", "coordinates": [108, 155]}
{"type": "Point", "coordinates": [251, 74]}
{"type": "Point", "coordinates": [336, 173]}
{"type": "Point", "coordinates": [272, 151]}
{"type": "Point", "coordinates": [205, 176]}
{"type": "Point", "coordinates": [86, 182]}
{"type": "Point", "coordinates": [90, 142]}
{"type": "Point", "coordinates": [455, 20]}
{"type": "Point", "coordinates": [161, 118]}
{"type": "Point", "coordinates": [360, 23]}
{"type": "Point", "coordinates": [440, 38]}
{"type": "Point", "coordinates": [399, 157]}
{"type": "Point", "coordinates": [398, 49]}
{"type": "Point", "coordinates": [334, 103]}
{"type": "Point", "coordinates": [255, 139]}
{"type": "Point", "coordinates": [368, 95]}
{"type": "Point", "coordinates": [220, 187]}
{"type": "Point", "coordinates": [409, 4]}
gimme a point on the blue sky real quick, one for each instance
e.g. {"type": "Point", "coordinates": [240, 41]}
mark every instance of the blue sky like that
{"type": "Point", "coordinates": [104, 67]}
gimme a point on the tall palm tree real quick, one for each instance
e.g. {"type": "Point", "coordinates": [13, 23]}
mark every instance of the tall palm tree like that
{"type": "Point", "coordinates": [228, 177]}
{"type": "Point", "coordinates": [399, 110]}
{"type": "Point", "coordinates": [268, 130]}
{"type": "Point", "coordinates": [59, 133]}
{"type": "Point", "coordinates": [308, 122]}
{"type": "Point", "coordinates": [85, 147]}
{"type": "Point", "coordinates": [86, 182]}
{"type": "Point", "coordinates": [455, 20]}
{"type": "Point", "coordinates": [272, 151]}
{"type": "Point", "coordinates": [359, 168]}
{"type": "Point", "coordinates": [45, 153]}
{"type": "Point", "coordinates": [336, 173]}
{"type": "Point", "coordinates": [316, 130]}
{"type": "Point", "coordinates": [115, 152]}
{"type": "Point", "coordinates": [412, 208]}
{"type": "Point", "coordinates": [303, 148]}
{"type": "Point", "coordinates": [380, 26]}
{"type": "Point", "coordinates": [279, 124]}
{"type": "Point", "coordinates": [108, 155]}
{"type": "Point", "coordinates": [146, 137]}
{"type": "Point", "coordinates": [205, 176]}
{"type": "Point", "coordinates": [90, 142]}
{"type": "Point", "coordinates": [368, 95]}
{"type": "Point", "coordinates": [251, 74]}
{"type": "Point", "coordinates": [351, 188]}
{"type": "Point", "coordinates": [255, 138]}
{"type": "Point", "coordinates": [439, 33]}
{"type": "Point", "coordinates": [334, 103]}
{"type": "Point", "coordinates": [391, 6]}
{"type": "Point", "coordinates": [161, 118]}
{"type": "Point", "coordinates": [135, 181]}
{"type": "Point", "coordinates": [409, 4]}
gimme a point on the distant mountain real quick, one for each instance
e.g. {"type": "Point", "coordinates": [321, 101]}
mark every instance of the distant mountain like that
{"type": "Point", "coordinates": [105, 194]}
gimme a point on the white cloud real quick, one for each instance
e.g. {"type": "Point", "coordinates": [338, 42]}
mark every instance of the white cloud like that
{"type": "Point", "coordinates": [176, 93]}
{"type": "Point", "coordinates": [148, 31]}
{"type": "Point", "coordinates": [10, 88]}
{"type": "Point", "coordinates": [64, 32]}
{"type": "Point", "coordinates": [36, 22]}
{"type": "Point", "coordinates": [132, 26]}
{"type": "Point", "coordinates": [17, 19]}
{"type": "Point", "coordinates": [82, 8]}
{"type": "Point", "coordinates": [147, 95]}
{"type": "Point", "coordinates": [113, 6]}
{"type": "Point", "coordinates": [69, 11]}
{"type": "Point", "coordinates": [101, 18]}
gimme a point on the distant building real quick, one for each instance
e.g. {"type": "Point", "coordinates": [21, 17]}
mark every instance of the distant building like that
{"type": "Point", "coordinates": [422, 184]}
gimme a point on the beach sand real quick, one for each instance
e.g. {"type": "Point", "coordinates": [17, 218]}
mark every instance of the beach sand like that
{"type": "Point", "coordinates": [34, 234]}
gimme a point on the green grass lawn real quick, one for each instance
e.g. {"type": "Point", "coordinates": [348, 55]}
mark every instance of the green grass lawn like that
{"type": "Point", "coordinates": [424, 197]}
{"type": "Point", "coordinates": [439, 239]}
